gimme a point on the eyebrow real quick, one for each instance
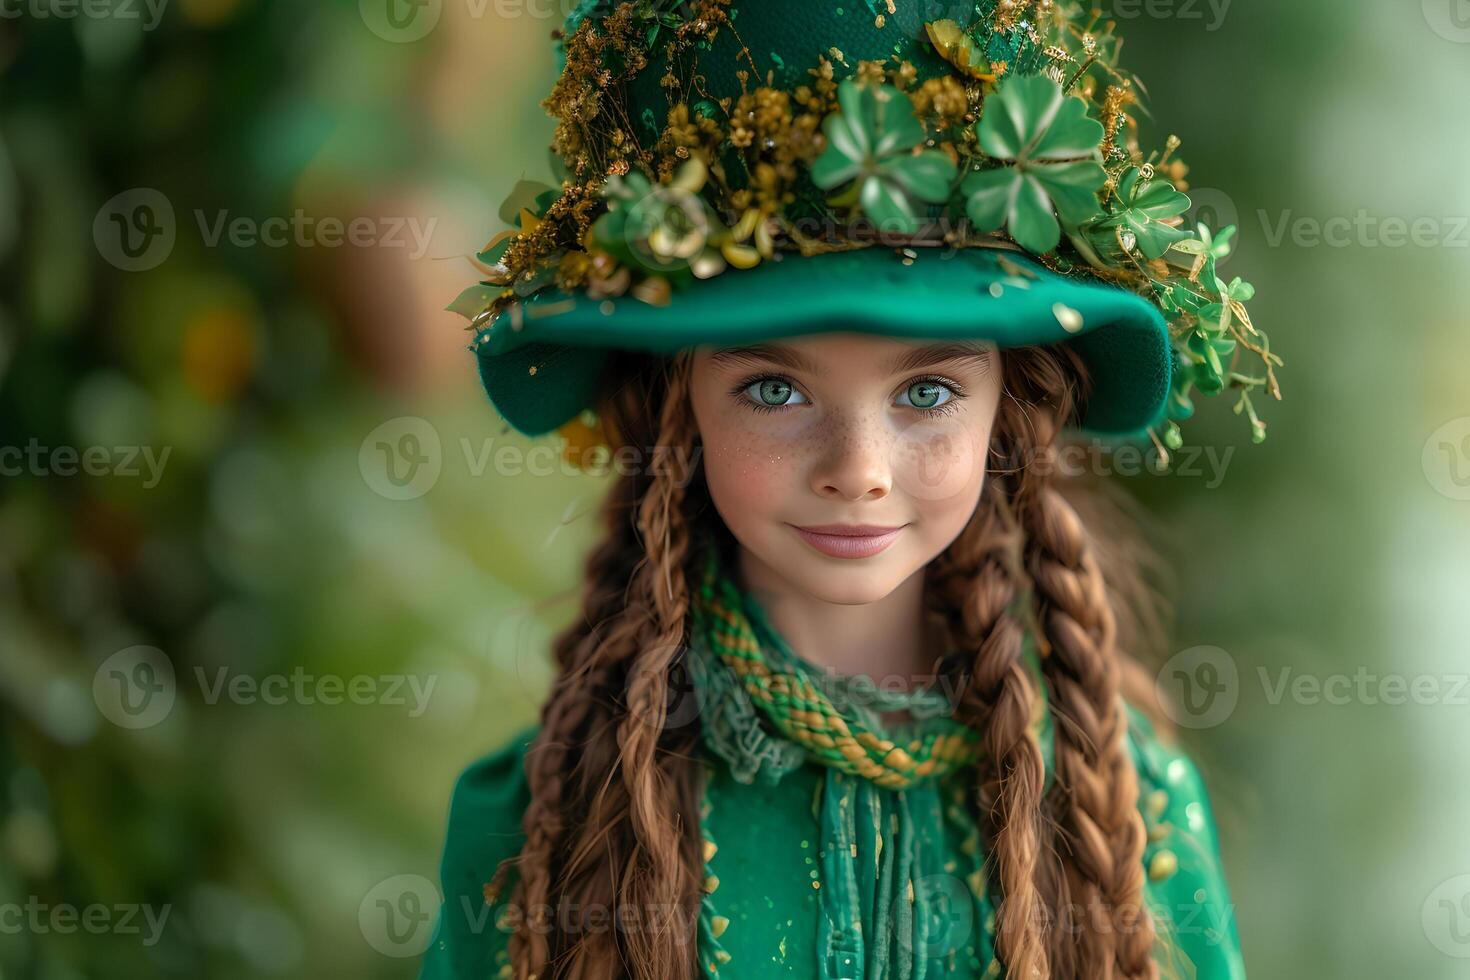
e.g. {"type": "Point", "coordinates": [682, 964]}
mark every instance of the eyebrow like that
{"type": "Point", "coordinates": [909, 360]}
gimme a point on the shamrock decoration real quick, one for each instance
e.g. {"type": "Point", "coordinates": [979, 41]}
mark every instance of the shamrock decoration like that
{"type": "Point", "coordinates": [1208, 249]}
{"type": "Point", "coordinates": [875, 142]}
{"type": "Point", "coordinates": [1212, 353]}
{"type": "Point", "coordinates": [1052, 148]}
{"type": "Point", "coordinates": [1147, 216]}
{"type": "Point", "coordinates": [1232, 298]}
{"type": "Point", "coordinates": [1039, 165]}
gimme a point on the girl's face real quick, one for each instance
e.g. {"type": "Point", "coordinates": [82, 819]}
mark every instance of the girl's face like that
{"type": "Point", "coordinates": [846, 462]}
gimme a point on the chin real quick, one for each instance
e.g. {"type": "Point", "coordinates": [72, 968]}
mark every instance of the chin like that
{"type": "Point", "coordinates": [850, 582]}
{"type": "Point", "coordinates": [851, 588]}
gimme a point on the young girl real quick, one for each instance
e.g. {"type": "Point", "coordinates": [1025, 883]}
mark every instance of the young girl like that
{"type": "Point", "coordinates": [847, 697]}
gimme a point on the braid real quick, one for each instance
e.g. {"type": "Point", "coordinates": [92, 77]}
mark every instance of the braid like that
{"type": "Point", "coordinates": [1102, 823]}
{"type": "Point", "coordinates": [565, 719]}
{"type": "Point", "coordinates": [656, 877]}
{"type": "Point", "coordinates": [1099, 818]}
{"type": "Point", "coordinates": [615, 783]}
{"type": "Point", "coordinates": [1080, 849]}
{"type": "Point", "coordinates": [612, 823]}
{"type": "Point", "coordinates": [975, 589]}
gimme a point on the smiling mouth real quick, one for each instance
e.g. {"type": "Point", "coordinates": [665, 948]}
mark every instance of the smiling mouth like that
{"type": "Point", "coordinates": [848, 540]}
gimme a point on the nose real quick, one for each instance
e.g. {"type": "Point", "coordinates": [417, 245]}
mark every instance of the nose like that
{"type": "Point", "coordinates": [854, 463]}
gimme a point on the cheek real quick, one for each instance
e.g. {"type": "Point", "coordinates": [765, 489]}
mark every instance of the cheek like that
{"type": "Point", "coordinates": [941, 463]}
{"type": "Point", "coordinates": [748, 472]}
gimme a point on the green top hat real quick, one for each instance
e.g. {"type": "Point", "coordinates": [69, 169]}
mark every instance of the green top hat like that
{"type": "Point", "coordinates": [742, 170]}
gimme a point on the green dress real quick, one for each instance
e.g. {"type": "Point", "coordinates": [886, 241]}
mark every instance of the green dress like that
{"type": "Point", "coordinates": [821, 867]}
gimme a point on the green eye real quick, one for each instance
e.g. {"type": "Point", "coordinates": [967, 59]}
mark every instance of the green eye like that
{"type": "Point", "coordinates": [774, 393]}
{"type": "Point", "coordinates": [927, 394]}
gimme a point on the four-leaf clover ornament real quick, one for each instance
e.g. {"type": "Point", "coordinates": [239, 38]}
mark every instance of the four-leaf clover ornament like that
{"type": "Point", "coordinates": [1146, 216]}
{"type": "Point", "coordinates": [1053, 166]}
{"type": "Point", "coordinates": [876, 143]}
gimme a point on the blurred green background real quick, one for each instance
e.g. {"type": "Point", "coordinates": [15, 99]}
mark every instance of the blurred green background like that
{"type": "Point", "coordinates": [329, 506]}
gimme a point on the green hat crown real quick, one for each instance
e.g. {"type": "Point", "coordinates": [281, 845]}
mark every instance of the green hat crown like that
{"type": "Point", "coordinates": [700, 139]}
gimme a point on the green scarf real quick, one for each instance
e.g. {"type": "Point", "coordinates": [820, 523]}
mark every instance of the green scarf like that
{"type": "Point", "coordinates": [766, 712]}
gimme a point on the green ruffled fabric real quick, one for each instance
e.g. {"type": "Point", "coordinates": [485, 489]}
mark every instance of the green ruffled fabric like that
{"type": "Point", "coordinates": [818, 863]}
{"type": "Point", "coordinates": [889, 887]}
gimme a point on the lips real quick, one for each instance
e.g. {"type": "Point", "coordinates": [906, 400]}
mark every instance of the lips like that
{"type": "Point", "coordinates": [849, 540]}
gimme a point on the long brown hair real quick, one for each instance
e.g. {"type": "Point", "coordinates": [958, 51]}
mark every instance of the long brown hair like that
{"type": "Point", "coordinates": [608, 882]}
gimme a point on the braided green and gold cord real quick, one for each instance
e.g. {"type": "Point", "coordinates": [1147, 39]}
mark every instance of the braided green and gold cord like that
{"type": "Point", "coordinates": [782, 685]}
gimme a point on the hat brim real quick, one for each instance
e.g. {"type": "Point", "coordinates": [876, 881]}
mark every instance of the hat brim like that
{"type": "Point", "coordinates": [544, 366]}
